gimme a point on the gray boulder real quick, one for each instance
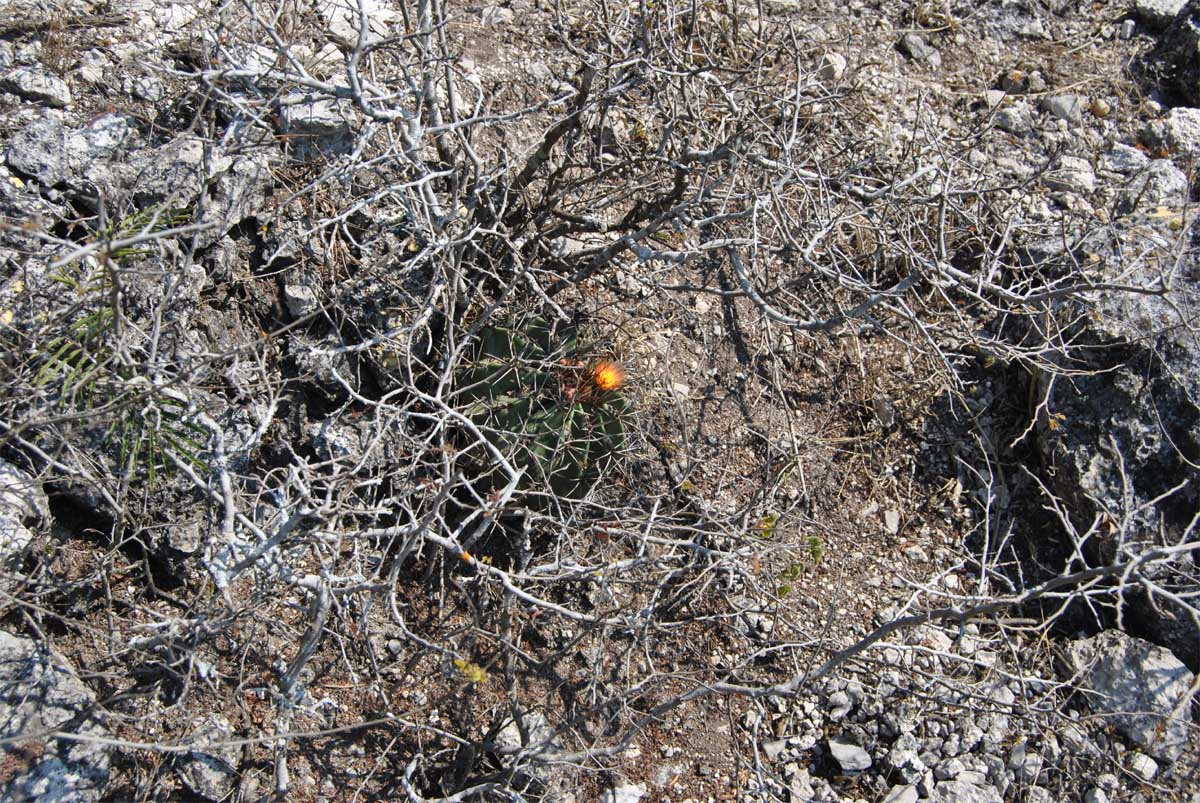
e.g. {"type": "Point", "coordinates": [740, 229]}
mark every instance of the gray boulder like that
{"type": "Point", "coordinates": [905, 793]}
{"type": "Point", "coordinates": [1140, 686]}
{"type": "Point", "coordinates": [237, 190]}
{"type": "Point", "coordinates": [1120, 435]}
{"type": "Point", "coordinates": [1016, 119]}
{"type": "Point", "coordinates": [98, 141]}
{"type": "Point", "coordinates": [343, 21]}
{"type": "Point", "coordinates": [50, 153]}
{"type": "Point", "coordinates": [532, 735]}
{"type": "Point", "coordinates": [1071, 174]}
{"type": "Point", "coordinates": [1124, 159]}
{"type": "Point", "coordinates": [40, 692]}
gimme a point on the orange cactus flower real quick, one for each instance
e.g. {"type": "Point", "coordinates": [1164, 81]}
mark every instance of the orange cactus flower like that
{"type": "Point", "coordinates": [608, 375]}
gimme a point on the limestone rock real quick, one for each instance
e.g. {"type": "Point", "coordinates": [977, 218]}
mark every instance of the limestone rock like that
{"type": "Point", "coordinates": [1160, 184]}
{"type": "Point", "coordinates": [39, 150]}
{"type": "Point", "coordinates": [316, 127]}
{"type": "Point", "coordinates": [1065, 107]}
{"type": "Point", "coordinates": [831, 67]}
{"type": "Point", "coordinates": [1016, 119]}
{"type": "Point", "coordinates": [625, 793]}
{"type": "Point", "coordinates": [344, 19]}
{"type": "Point", "coordinates": [1177, 56]}
{"type": "Point", "coordinates": [35, 83]}
{"type": "Point", "coordinates": [1178, 131]}
{"type": "Point", "coordinates": [1157, 14]}
{"type": "Point", "coordinates": [211, 772]}
{"type": "Point", "coordinates": [917, 49]}
{"type": "Point", "coordinates": [1140, 685]}
{"type": "Point", "coordinates": [962, 792]}
{"type": "Point", "coordinates": [1071, 174]}
{"type": "Point", "coordinates": [39, 691]}
{"type": "Point", "coordinates": [850, 757]}
{"type": "Point", "coordinates": [23, 504]}
{"type": "Point", "coordinates": [1124, 159]}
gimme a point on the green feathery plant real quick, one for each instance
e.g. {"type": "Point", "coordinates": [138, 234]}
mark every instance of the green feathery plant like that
{"type": "Point", "coordinates": [84, 366]}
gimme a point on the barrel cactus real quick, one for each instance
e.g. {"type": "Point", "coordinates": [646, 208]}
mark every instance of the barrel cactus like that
{"type": "Point", "coordinates": [552, 409]}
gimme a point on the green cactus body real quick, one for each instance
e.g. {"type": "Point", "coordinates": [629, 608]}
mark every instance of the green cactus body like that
{"type": "Point", "coordinates": [525, 391]}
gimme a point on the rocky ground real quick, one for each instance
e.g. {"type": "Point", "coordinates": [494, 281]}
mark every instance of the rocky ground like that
{"type": "Point", "coordinates": [311, 488]}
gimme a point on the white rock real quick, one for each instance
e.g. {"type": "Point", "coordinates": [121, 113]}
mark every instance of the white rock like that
{"type": "Point", "coordinates": [901, 794]}
{"type": "Point", "coordinates": [1016, 119]}
{"type": "Point", "coordinates": [850, 757]}
{"type": "Point", "coordinates": [174, 16]}
{"type": "Point", "coordinates": [316, 126]}
{"type": "Point", "coordinates": [35, 83]}
{"type": "Point", "coordinates": [1157, 14]}
{"type": "Point", "coordinates": [1124, 159]}
{"type": "Point", "coordinates": [1076, 740]}
{"type": "Point", "coordinates": [1160, 184]}
{"type": "Point", "coordinates": [1140, 685]}
{"type": "Point", "coordinates": [1096, 795]}
{"type": "Point", "coordinates": [800, 787]}
{"type": "Point", "coordinates": [831, 67]}
{"type": "Point", "coordinates": [492, 16]}
{"type": "Point", "coordinates": [1026, 765]}
{"type": "Point", "coordinates": [146, 87]}
{"type": "Point", "coordinates": [774, 748]}
{"type": "Point", "coordinates": [1143, 766]}
{"type": "Point", "coordinates": [625, 793]}
{"type": "Point", "coordinates": [839, 706]}
{"type": "Point", "coordinates": [96, 143]}
{"type": "Point", "coordinates": [1038, 794]}
{"type": "Point", "coordinates": [92, 66]}
{"type": "Point", "coordinates": [917, 49]}
{"type": "Point", "coordinates": [40, 692]}
{"type": "Point", "coordinates": [949, 769]}
{"type": "Point", "coordinates": [344, 20]}
{"type": "Point", "coordinates": [1179, 131]}
{"type": "Point", "coordinates": [959, 792]}
{"type": "Point", "coordinates": [211, 772]}
{"type": "Point", "coordinates": [300, 299]}
{"type": "Point", "coordinates": [22, 503]}
{"type": "Point", "coordinates": [37, 150]}
{"type": "Point", "coordinates": [1072, 174]}
{"type": "Point", "coordinates": [976, 777]}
